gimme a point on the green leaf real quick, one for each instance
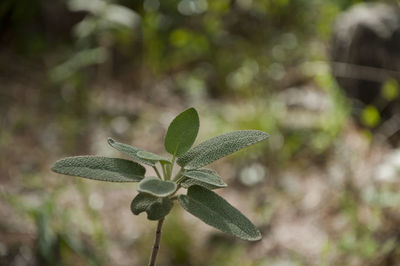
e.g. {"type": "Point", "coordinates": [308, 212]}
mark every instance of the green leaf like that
{"type": "Point", "coordinates": [217, 212]}
{"type": "Point", "coordinates": [157, 187]}
{"type": "Point", "coordinates": [182, 132]}
{"type": "Point", "coordinates": [218, 147]}
{"type": "Point", "coordinates": [100, 168]}
{"type": "Point", "coordinates": [205, 176]}
{"type": "Point", "coordinates": [188, 182]}
{"type": "Point", "coordinates": [145, 155]}
{"type": "Point", "coordinates": [130, 151]}
{"type": "Point", "coordinates": [156, 208]}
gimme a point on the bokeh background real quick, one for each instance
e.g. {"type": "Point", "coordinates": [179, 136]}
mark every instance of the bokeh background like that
{"type": "Point", "coordinates": [323, 189]}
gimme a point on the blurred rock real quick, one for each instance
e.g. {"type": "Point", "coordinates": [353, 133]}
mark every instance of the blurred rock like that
{"type": "Point", "coordinates": [389, 169]}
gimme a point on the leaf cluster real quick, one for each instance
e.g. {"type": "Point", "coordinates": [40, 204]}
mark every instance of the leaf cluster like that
{"type": "Point", "coordinates": [157, 193]}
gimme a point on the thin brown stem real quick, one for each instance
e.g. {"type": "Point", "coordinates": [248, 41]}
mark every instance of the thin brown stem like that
{"type": "Point", "coordinates": [156, 245]}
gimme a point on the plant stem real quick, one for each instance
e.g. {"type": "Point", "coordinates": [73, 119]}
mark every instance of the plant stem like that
{"type": "Point", "coordinates": [156, 245]}
{"type": "Point", "coordinates": [164, 172]}
{"type": "Point", "coordinates": [172, 197]}
{"type": "Point", "coordinates": [180, 179]}
{"type": "Point", "coordinates": [178, 175]}
{"type": "Point", "coordinates": [172, 165]}
{"type": "Point", "coordinates": [157, 172]}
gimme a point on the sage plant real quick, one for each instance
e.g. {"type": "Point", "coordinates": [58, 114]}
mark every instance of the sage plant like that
{"type": "Point", "coordinates": [156, 194]}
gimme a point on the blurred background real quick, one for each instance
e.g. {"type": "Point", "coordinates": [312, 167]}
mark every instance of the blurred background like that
{"type": "Point", "coordinates": [321, 77]}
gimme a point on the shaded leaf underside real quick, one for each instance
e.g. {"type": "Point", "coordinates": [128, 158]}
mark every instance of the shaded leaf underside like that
{"type": "Point", "coordinates": [156, 208]}
{"type": "Point", "coordinates": [157, 187]}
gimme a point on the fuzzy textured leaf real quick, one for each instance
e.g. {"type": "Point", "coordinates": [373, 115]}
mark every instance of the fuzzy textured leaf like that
{"type": "Point", "coordinates": [205, 176]}
{"type": "Point", "coordinates": [217, 212]}
{"type": "Point", "coordinates": [188, 182]}
{"type": "Point", "coordinates": [130, 151]}
{"type": "Point", "coordinates": [156, 187]}
{"type": "Point", "coordinates": [218, 147]}
{"type": "Point", "coordinates": [155, 207]}
{"type": "Point", "coordinates": [182, 132]}
{"type": "Point", "coordinates": [100, 168]}
{"type": "Point", "coordinates": [145, 155]}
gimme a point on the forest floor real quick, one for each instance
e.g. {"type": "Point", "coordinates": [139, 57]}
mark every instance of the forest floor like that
{"type": "Point", "coordinates": [334, 205]}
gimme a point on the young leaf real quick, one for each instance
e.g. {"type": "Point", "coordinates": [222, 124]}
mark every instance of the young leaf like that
{"type": "Point", "coordinates": [206, 176]}
{"type": "Point", "coordinates": [217, 212]}
{"type": "Point", "coordinates": [182, 132]}
{"type": "Point", "coordinates": [156, 208]}
{"type": "Point", "coordinates": [130, 151]}
{"type": "Point", "coordinates": [157, 187]}
{"type": "Point", "coordinates": [100, 168]}
{"type": "Point", "coordinates": [218, 147]}
{"type": "Point", "coordinates": [145, 155]}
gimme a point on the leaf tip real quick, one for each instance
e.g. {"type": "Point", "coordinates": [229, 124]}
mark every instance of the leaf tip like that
{"type": "Point", "coordinates": [110, 141]}
{"type": "Point", "coordinates": [258, 237]}
{"type": "Point", "coordinates": [54, 168]}
{"type": "Point", "coordinates": [192, 109]}
{"type": "Point", "coordinates": [263, 135]}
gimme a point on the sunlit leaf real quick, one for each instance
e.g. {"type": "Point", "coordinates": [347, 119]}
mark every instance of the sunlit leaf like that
{"type": "Point", "coordinates": [149, 156]}
{"type": "Point", "coordinates": [157, 187]}
{"type": "Point", "coordinates": [205, 176]}
{"type": "Point", "coordinates": [218, 147]}
{"type": "Point", "coordinates": [100, 168]}
{"type": "Point", "coordinates": [217, 212]}
{"type": "Point", "coordinates": [155, 207]}
{"type": "Point", "coordinates": [182, 132]}
{"type": "Point", "coordinates": [130, 151]}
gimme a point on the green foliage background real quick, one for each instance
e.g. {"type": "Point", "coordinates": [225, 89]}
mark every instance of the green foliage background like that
{"type": "Point", "coordinates": [73, 73]}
